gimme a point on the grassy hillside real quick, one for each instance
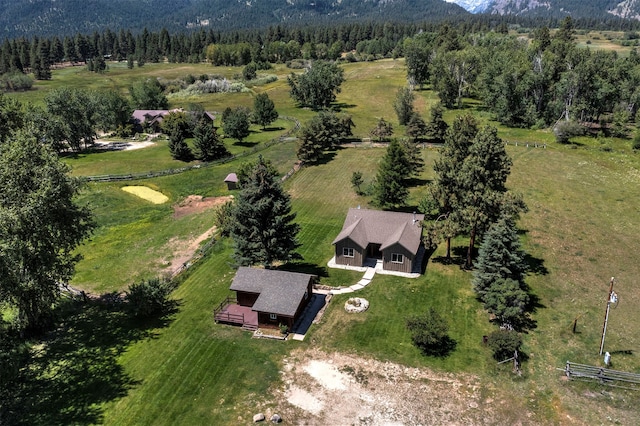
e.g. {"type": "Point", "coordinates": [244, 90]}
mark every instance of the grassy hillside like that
{"type": "Point", "coordinates": [580, 230]}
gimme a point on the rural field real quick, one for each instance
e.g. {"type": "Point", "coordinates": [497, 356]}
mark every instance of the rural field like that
{"type": "Point", "coordinates": [580, 230]}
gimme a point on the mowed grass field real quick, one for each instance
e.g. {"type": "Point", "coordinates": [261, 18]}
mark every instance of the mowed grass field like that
{"type": "Point", "coordinates": [580, 230]}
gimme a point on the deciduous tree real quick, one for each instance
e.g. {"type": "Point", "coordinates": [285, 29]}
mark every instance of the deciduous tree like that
{"type": "Point", "coordinates": [41, 225]}
{"type": "Point", "coordinates": [148, 94]}
{"type": "Point", "coordinates": [235, 123]}
{"type": "Point", "coordinates": [403, 105]}
{"type": "Point", "coordinates": [318, 86]}
{"type": "Point", "coordinates": [264, 110]}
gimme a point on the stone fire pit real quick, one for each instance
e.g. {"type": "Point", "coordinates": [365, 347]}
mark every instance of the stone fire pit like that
{"type": "Point", "coordinates": [356, 304]}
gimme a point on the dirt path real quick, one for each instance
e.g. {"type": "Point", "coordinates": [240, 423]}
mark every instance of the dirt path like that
{"type": "Point", "coordinates": [332, 388]}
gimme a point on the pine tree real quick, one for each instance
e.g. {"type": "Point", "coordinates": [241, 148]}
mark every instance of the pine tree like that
{"type": "Point", "coordinates": [390, 188]}
{"type": "Point", "coordinates": [179, 148]}
{"type": "Point", "coordinates": [446, 189]}
{"type": "Point", "coordinates": [436, 127]}
{"type": "Point", "coordinates": [508, 301]}
{"type": "Point", "coordinates": [500, 257]}
{"type": "Point", "coordinates": [207, 143]}
{"type": "Point", "coordinates": [383, 130]}
{"type": "Point", "coordinates": [416, 127]}
{"type": "Point", "coordinates": [414, 157]}
{"type": "Point", "coordinates": [263, 229]}
{"type": "Point", "coordinates": [482, 182]}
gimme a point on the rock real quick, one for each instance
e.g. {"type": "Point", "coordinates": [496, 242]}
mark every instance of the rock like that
{"type": "Point", "coordinates": [356, 304]}
{"type": "Point", "coordinates": [276, 418]}
{"type": "Point", "coordinates": [258, 418]}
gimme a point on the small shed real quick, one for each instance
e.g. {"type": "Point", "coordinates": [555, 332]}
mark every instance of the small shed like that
{"type": "Point", "coordinates": [232, 181]}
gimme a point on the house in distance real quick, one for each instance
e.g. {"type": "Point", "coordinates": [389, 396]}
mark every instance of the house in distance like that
{"type": "Point", "coordinates": [391, 240]}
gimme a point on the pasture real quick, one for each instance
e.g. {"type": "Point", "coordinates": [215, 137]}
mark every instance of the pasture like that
{"type": "Point", "coordinates": [580, 230]}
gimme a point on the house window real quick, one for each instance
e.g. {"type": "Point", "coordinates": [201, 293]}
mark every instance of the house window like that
{"type": "Point", "coordinates": [397, 258]}
{"type": "Point", "coordinates": [347, 252]}
{"type": "Point", "coordinates": [273, 316]}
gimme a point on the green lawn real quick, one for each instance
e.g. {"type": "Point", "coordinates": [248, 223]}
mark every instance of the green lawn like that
{"type": "Point", "coordinates": [580, 230]}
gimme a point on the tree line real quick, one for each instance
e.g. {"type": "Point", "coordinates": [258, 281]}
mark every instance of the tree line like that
{"type": "Point", "coordinates": [279, 43]}
{"type": "Point", "coordinates": [532, 82]}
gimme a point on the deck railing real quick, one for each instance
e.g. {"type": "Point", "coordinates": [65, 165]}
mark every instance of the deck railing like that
{"type": "Point", "coordinates": [220, 315]}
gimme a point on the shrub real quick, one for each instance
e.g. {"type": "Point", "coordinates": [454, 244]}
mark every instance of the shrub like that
{"type": "Point", "coordinates": [224, 218]}
{"type": "Point", "coordinates": [429, 332]}
{"type": "Point", "coordinates": [565, 130]}
{"type": "Point", "coordinates": [504, 343]}
{"type": "Point", "coordinates": [150, 298]}
{"type": "Point", "coordinates": [636, 141]}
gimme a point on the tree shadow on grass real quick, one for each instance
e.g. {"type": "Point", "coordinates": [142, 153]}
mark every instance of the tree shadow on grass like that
{"type": "Point", "coordinates": [305, 268]}
{"type": "Point", "coordinates": [245, 144]}
{"type": "Point", "coordinates": [443, 349]}
{"type": "Point", "coordinates": [458, 257]}
{"type": "Point", "coordinates": [74, 369]}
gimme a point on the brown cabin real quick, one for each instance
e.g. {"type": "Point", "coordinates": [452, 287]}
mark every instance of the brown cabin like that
{"type": "Point", "coordinates": [392, 237]}
{"type": "Point", "coordinates": [278, 297]}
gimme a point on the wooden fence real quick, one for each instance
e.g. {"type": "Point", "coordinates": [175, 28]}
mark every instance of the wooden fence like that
{"type": "Point", "coordinates": [167, 172]}
{"type": "Point", "coordinates": [603, 375]}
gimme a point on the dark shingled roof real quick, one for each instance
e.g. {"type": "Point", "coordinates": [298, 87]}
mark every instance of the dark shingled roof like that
{"type": "Point", "coordinates": [365, 226]}
{"type": "Point", "coordinates": [280, 292]}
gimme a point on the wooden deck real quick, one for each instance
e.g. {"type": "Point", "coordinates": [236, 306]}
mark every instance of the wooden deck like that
{"type": "Point", "coordinates": [234, 314]}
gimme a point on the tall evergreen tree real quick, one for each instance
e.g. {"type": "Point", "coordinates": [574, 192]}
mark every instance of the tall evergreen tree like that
{"type": "Point", "coordinates": [508, 301]}
{"type": "Point", "coordinates": [436, 127]}
{"type": "Point", "coordinates": [391, 181]}
{"type": "Point", "coordinates": [263, 229]}
{"type": "Point", "coordinates": [445, 192]}
{"type": "Point", "coordinates": [416, 127]}
{"type": "Point", "coordinates": [500, 257]}
{"type": "Point", "coordinates": [482, 179]}
{"type": "Point", "coordinates": [178, 147]}
{"type": "Point", "coordinates": [207, 143]}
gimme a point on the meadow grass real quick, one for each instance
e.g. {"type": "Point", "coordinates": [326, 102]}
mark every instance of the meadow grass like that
{"type": "Point", "coordinates": [580, 230]}
{"type": "Point", "coordinates": [158, 157]}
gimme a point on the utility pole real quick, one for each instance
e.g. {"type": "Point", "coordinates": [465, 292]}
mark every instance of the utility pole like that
{"type": "Point", "coordinates": [611, 298]}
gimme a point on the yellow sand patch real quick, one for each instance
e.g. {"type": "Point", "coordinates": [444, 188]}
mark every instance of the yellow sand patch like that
{"type": "Point", "coordinates": [147, 194]}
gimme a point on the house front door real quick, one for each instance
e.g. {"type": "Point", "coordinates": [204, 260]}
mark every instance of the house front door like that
{"type": "Point", "coordinates": [373, 251]}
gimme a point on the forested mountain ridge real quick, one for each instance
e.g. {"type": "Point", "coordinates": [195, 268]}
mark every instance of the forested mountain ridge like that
{"type": "Point", "coordinates": [62, 17]}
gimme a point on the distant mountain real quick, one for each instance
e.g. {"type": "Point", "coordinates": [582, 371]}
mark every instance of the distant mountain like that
{"type": "Point", "coordinates": [60, 17]}
{"type": "Point", "coordinates": [628, 9]}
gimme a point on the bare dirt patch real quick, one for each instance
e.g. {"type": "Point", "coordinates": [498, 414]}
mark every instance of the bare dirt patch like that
{"type": "Point", "coordinates": [196, 204]}
{"type": "Point", "coordinates": [183, 250]}
{"type": "Point", "coordinates": [321, 388]}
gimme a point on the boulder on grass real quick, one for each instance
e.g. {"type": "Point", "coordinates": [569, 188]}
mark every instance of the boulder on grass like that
{"type": "Point", "coordinates": [258, 418]}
